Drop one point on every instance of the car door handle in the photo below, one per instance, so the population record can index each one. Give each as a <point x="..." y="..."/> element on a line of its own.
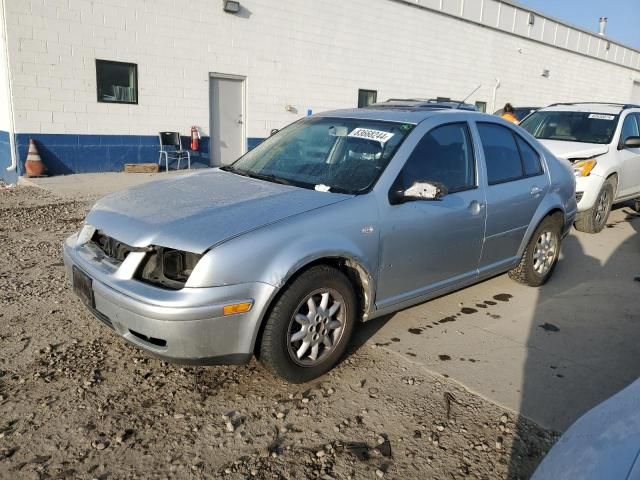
<point x="476" y="207"/>
<point x="535" y="190"/>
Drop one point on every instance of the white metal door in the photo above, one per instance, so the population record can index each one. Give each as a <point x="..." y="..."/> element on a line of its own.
<point x="226" y="96"/>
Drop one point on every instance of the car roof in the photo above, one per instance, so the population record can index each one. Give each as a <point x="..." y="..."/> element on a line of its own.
<point x="400" y="114"/>
<point x="600" y="107"/>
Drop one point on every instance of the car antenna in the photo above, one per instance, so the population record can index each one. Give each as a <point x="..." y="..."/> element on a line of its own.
<point x="467" y="97"/>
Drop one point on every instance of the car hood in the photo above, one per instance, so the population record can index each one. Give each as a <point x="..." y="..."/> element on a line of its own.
<point x="195" y="212"/>
<point x="571" y="150"/>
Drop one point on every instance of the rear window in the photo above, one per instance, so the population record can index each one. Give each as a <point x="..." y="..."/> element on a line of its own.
<point x="584" y="127"/>
<point x="500" y="152"/>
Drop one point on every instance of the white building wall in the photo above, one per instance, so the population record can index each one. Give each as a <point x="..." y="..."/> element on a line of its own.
<point x="4" y="77"/>
<point x="308" y="54"/>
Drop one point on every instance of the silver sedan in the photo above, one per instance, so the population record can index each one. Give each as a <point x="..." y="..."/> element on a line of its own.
<point x="338" y="218"/>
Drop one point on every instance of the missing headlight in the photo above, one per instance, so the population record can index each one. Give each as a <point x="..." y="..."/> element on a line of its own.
<point x="167" y="267"/>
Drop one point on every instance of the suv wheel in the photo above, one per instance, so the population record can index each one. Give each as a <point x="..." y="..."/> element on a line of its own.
<point x="594" y="219"/>
<point x="541" y="255"/>
<point x="310" y="325"/>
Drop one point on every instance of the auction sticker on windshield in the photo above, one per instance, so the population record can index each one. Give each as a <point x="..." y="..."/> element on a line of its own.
<point x="377" y="135"/>
<point x="600" y="116"/>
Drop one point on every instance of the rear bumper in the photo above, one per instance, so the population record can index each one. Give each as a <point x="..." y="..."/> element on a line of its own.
<point x="181" y="326"/>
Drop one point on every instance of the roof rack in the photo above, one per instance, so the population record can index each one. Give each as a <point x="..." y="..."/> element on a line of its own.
<point x="415" y="103"/>
<point x="615" y="104"/>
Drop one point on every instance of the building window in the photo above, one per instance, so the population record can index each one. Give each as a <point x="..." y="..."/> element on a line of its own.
<point x="367" y="97"/>
<point x="117" y="82"/>
<point x="481" y="106"/>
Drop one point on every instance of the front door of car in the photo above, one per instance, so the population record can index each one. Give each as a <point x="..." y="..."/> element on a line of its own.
<point x="629" y="182"/>
<point x="516" y="184"/>
<point x="428" y="245"/>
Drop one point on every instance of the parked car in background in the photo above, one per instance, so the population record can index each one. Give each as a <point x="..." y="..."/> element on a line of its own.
<point x="339" y="217"/>
<point x="602" y="444"/>
<point x="520" y="112"/>
<point x="602" y="141"/>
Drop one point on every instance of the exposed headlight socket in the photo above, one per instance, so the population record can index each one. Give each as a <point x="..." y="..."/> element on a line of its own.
<point x="168" y="268"/>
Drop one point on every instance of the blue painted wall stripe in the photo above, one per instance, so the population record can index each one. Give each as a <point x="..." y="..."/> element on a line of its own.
<point x="64" y="154"/>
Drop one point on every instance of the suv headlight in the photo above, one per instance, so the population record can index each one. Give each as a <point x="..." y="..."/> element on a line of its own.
<point x="168" y="268"/>
<point x="582" y="168"/>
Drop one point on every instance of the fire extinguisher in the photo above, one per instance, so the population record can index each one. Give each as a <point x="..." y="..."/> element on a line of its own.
<point x="195" y="138"/>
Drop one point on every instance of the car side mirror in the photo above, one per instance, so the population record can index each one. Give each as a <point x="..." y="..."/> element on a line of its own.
<point x="273" y="131"/>
<point x="631" y="142"/>
<point x="418" y="191"/>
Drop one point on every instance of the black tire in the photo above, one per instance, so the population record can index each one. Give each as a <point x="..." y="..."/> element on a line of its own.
<point x="635" y="205"/>
<point x="277" y="347"/>
<point x="595" y="219"/>
<point x="527" y="270"/>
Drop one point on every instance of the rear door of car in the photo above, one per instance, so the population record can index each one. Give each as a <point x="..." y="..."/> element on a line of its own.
<point x="428" y="245"/>
<point x="516" y="184"/>
<point x="629" y="181"/>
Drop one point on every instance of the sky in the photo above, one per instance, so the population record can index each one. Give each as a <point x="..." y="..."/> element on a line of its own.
<point x="624" y="16"/>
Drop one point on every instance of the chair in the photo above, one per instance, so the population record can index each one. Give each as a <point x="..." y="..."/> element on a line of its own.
<point x="175" y="151"/>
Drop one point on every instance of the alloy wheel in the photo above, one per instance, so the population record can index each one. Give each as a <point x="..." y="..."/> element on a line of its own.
<point x="545" y="252"/>
<point x="602" y="208"/>
<point x="316" y="327"/>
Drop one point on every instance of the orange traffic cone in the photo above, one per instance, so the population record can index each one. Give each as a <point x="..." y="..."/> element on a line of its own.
<point x="34" y="165"/>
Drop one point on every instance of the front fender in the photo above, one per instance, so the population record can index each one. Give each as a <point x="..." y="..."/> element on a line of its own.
<point x="273" y="254"/>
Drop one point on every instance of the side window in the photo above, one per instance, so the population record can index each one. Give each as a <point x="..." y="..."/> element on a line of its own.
<point x="530" y="158"/>
<point x="500" y="152"/>
<point x="629" y="128"/>
<point x="444" y="155"/>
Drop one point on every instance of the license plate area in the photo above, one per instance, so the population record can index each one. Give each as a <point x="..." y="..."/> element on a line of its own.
<point x="82" y="287"/>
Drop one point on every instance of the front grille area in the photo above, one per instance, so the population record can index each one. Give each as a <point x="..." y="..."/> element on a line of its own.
<point x="111" y="247"/>
<point x="579" y="196"/>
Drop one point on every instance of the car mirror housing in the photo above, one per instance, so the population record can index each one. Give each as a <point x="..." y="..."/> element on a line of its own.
<point x="421" y="190"/>
<point x="631" y="142"/>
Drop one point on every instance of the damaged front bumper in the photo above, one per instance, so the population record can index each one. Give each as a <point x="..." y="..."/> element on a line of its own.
<point x="184" y="326"/>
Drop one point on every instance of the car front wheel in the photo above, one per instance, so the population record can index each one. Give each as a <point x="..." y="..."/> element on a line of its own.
<point x="541" y="255"/>
<point x="310" y="325"/>
<point x="594" y="219"/>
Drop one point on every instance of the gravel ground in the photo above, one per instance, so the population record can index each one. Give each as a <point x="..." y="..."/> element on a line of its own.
<point x="78" y="402"/>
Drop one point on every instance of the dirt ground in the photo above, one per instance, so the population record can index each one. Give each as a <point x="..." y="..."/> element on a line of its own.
<point x="77" y="402"/>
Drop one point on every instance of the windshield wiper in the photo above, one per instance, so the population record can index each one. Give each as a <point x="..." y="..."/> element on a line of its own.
<point x="232" y="169"/>
<point x="269" y="178"/>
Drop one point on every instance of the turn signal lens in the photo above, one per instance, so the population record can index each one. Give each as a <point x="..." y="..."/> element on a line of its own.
<point x="237" y="308"/>
<point x="583" y="167"/>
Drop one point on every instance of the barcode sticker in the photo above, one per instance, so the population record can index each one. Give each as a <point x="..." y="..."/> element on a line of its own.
<point x="369" y="134"/>
<point x="600" y="116"/>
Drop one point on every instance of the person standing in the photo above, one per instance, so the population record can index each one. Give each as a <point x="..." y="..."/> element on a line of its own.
<point x="509" y="114"/>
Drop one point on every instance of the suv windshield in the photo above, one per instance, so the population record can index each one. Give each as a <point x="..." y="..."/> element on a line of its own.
<point x="328" y="154"/>
<point x="585" y="127"/>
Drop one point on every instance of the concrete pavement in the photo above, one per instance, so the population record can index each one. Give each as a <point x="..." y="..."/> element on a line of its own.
<point x="94" y="185"/>
<point x="550" y="353"/>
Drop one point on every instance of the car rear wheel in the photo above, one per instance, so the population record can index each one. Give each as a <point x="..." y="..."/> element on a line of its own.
<point x="594" y="219"/>
<point x="310" y="325"/>
<point x="541" y="255"/>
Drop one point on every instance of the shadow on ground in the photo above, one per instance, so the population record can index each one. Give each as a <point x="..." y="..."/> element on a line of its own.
<point x="560" y="390"/>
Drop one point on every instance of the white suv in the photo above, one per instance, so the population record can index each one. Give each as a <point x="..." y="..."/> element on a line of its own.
<point x="602" y="141"/>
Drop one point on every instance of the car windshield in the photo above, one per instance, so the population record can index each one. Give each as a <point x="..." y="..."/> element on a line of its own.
<point x="327" y="154"/>
<point x="585" y="127"/>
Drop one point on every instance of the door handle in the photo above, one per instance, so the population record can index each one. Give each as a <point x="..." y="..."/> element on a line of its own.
<point x="535" y="190"/>
<point x="476" y="207"/>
